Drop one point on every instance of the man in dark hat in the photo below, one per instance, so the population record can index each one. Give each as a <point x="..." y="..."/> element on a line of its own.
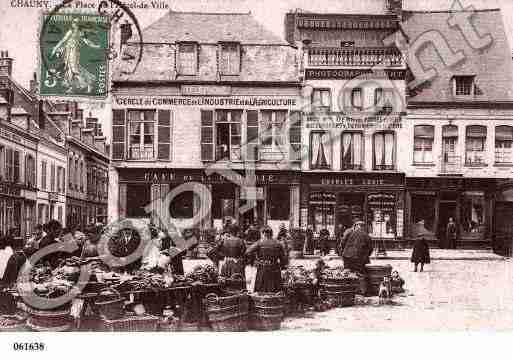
<point x="357" y="249"/>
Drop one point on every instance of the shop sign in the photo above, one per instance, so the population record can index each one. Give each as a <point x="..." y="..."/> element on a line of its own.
<point x="322" y="197"/>
<point x="348" y="74"/>
<point x="252" y="193"/>
<point x="9" y="189"/>
<point x="356" y="179"/>
<point x="335" y="24"/>
<point x="198" y="90"/>
<point x="182" y="176"/>
<point x="342" y="121"/>
<point x="203" y="100"/>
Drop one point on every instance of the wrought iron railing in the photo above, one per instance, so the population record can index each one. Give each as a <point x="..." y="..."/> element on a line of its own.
<point x="355" y="56"/>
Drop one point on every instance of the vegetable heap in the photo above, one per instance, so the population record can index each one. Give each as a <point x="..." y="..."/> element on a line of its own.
<point x="338" y="273"/>
<point x="297" y="276"/>
<point x="206" y="274"/>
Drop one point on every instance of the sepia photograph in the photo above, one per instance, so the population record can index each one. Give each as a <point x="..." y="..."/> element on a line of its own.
<point x="223" y="166"/>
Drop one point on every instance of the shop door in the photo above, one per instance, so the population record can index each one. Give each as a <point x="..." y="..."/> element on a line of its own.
<point x="349" y="209"/>
<point x="447" y="210"/>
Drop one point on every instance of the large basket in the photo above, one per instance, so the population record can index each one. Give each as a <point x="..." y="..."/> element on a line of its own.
<point x="267" y="311"/>
<point x="341" y="292"/>
<point x="12" y="323"/>
<point x="49" y="320"/>
<point x="375" y="274"/>
<point x="132" y="324"/>
<point x="111" y="308"/>
<point x="227" y="313"/>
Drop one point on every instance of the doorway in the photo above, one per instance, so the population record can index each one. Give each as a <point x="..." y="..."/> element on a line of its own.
<point x="446" y="210"/>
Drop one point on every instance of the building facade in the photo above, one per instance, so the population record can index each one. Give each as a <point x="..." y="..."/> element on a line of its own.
<point x="354" y="84"/>
<point x="211" y="101"/>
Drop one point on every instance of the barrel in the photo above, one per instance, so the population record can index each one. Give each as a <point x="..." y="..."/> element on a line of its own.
<point x="227" y="313"/>
<point x="340" y="292"/>
<point x="267" y="311"/>
<point x="375" y="275"/>
<point x="49" y="320"/>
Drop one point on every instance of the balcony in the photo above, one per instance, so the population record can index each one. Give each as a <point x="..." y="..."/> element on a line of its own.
<point x="451" y="165"/>
<point x="357" y="56"/>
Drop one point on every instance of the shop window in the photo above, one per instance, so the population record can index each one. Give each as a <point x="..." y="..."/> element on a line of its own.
<point x="381" y="215"/>
<point x="228" y="135"/>
<point x="321" y="99"/>
<point x="475" y="145"/>
<point x="230" y="58"/>
<point x="295" y="136"/>
<point x="384" y="151"/>
<point x="357" y="98"/>
<point x="137" y="198"/>
<point x="504" y="144"/>
<point x="278" y="200"/>
<point x="322" y="206"/>
<point x="350" y="208"/>
<point x="43" y="175"/>
<point x="463" y="85"/>
<point x="141" y="134"/>
<point x="187" y="58"/>
<point x="352" y="151"/>
<point x="273" y="130"/>
<point x="424" y="137"/>
<point x="30" y="171"/>
<point x="223" y="201"/>
<point x="320" y="150"/>
<point x="423" y="215"/>
<point x="473" y="214"/>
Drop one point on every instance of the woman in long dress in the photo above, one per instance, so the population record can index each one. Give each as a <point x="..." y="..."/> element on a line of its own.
<point x="270" y="258"/>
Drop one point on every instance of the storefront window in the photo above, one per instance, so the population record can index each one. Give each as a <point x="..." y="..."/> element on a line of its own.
<point x="423" y="214"/>
<point x="278" y="201"/>
<point x="142" y="134"/>
<point x="475" y="145"/>
<point x="137" y="198"/>
<point x="320" y="150"/>
<point x="504" y="144"/>
<point x="423" y="144"/>
<point x="473" y="214"/>
<point x="381" y="216"/>
<point x="384" y="148"/>
<point x="322" y="207"/>
<point x="352" y="151"/>
<point x="223" y="200"/>
<point x="350" y="208"/>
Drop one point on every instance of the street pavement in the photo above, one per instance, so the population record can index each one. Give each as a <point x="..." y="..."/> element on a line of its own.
<point x="464" y="290"/>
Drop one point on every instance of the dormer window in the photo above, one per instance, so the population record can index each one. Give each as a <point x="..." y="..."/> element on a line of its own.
<point x="187" y="61"/>
<point x="463" y="85"/>
<point x="230" y="58"/>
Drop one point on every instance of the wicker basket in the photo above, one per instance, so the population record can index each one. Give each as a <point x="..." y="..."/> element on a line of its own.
<point x="111" y="308"/>
<point x="229" y="313"/>
<point x="267" y="311"/>
<point x="375" y="274"/>
<point x="132" y="324"/>
<point x="12" y="323"/>
<point x="49" y="320"/>
<point x="341" y="293"/>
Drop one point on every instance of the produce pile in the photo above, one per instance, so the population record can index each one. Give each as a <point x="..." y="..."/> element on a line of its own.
<point x="206" y="274"/>
<point x="142" y="281"/>
<point x="338" y="274"/>
<point x="295" y="276"/>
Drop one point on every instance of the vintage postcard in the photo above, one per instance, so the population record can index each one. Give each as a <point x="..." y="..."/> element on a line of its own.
<point x="255" y="166"/>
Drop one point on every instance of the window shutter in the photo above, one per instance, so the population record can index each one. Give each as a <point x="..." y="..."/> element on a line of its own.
<point x="295" y="136"/>
<point x="164" y="135"/>
<point x="16" y="166"/>
<point x="118" y="134"/>
<point x="207" y="135"/>
<point x="252" y="137"/>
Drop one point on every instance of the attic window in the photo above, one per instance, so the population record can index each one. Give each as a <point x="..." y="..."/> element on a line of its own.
<point x="230" y="58"/>
<point x="187" y="60"/>
<point x="464" y="85"/>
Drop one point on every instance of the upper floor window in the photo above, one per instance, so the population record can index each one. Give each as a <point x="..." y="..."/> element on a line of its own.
<point x="13" y="165"/>
<point x="228" y="135"/>
<point x="384" y="151"/>
<point x="52" y="177"/>
<point x="230" y="58"/>
<point x="475" y="145"/>
<point x="30" y="171"/>
<point x="504" y="144"/>
<point x="463" y="85"/>
<point x="141" y="139"/>
<point x="321" y="99"/>
<point x="273" y="128"/>
<point x="187" y="58"/>
<point x="352" y="151"/>
<point x="383" y="100"/>
<point x="357" y="98"/>
<point x="424" y="137"/>
<point x="43" y="175"/>
<point x="320" y="150"/>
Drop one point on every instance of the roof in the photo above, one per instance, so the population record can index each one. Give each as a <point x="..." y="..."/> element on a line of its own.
<point x="491" y="65"/>
<point x="209" y="28"/>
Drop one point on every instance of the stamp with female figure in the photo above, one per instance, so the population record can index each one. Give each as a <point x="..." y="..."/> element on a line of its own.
<point x="74" y="55"/>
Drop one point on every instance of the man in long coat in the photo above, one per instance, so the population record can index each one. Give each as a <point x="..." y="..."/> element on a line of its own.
<point x="358" y="249"/>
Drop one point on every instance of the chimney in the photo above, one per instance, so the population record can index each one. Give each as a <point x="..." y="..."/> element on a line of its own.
<point x="99" y="143"/>
<point x="62" y="120"/>
<point x="5" y="64"/>
<point x="33" y="85"/>
<point x="87" y="136"/>
<point x="76" y="128"/>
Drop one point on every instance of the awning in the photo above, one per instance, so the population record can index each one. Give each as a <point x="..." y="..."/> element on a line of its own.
<point x="504" y="133"/>
<point x="476" y="131"/>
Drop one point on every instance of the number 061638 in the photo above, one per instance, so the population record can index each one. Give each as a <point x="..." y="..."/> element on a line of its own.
<point x="29" y="346"/>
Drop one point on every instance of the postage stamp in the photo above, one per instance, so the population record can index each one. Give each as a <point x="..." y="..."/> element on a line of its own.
<point x="74" y="55"/>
